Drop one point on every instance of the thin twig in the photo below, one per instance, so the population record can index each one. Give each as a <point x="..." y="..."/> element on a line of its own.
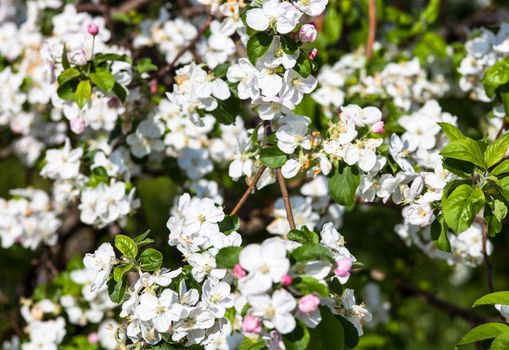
<point x="286" y="199"/>
<point x="372" y="28"/>
<point x="487" y="262"/>
<point x="189" y="46"/>
<point x="445" y="306"/>
<point x="501" y="130"/>
<point x="249" y="190"/>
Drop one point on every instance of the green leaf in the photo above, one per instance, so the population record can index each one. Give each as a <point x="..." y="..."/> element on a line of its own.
<point x="103" y="57"/>
<point x="496" y="151"/>
<point x="142" y="239"/>
<point x="119" y="271"/>
<point x="221" y="69"/>
<point x="495" y="76"/>
<point x="250" y="344"/>
<point x="119" y="91"/>
<point x="226" y="111"/>
<point x="150" y="260"/>
<point x="484" y="331"/>
<point x="351" y="334"/>
<point x="67" y="75"/>
<point x="303" y="66"/>
<point x="431" y="44"/>
<point x="439" y="231"/>
<point x="66" y="90"/>
<point x="464" y="149"/>
<point x="298" y="339"/>
<point x="329" y="334"/>
<point x="126" y="246"/>
<point x="65" y="59"/>
<point x="452" y="132"/>
<point x="117" y="290"/>
<point x="82" y="93"/>
<point x="257" y="45"/>
<point x="343" y="185"/>
<point x="103" y="79"/>
<point x="333" y="25"/>
<point x="502" y="168"/>
<point x="503" y="185"/>
<point x="501" y="342"/>
<point x="461" y="206"/>
<point x="493" y="298"/>
<point x="229" y="224"/>
<point x="311" y="251"/>
<point x="145" y="65"/>
<point x="228" y="257"/>
<point x="273" y="157"/>
<point x="309" y="285"/>
<point x="304" y="235"/>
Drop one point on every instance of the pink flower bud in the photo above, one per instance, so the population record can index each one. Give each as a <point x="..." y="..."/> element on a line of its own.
<point x="286" y="280"/>
<point x="313" y="54"/>
<point x="93" y="29"/>
<point x="93" y="338"/>
<point x="153" y="86"/>
<point x="251" y="324"/>
<point x="343" y="267"/>
<point x="238" y="271"/>
<point x="378" y="127"/>
<point x="307" y="33"/>
<point x="77" y="125"/>
<point x="309" y="303"/>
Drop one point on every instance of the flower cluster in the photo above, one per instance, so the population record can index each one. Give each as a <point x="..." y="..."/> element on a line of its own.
<point x="483" y="51"/>
<point x="227" y="294"/>
<point x="49" y="312"/>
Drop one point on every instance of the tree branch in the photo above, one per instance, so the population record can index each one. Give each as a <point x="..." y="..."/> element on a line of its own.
<point x="372" y="28"/>
<point x="189" y="46"/>
<point x="286" y="199"/>
<point x="249" y="190"/>
<point x="431" y="298"/>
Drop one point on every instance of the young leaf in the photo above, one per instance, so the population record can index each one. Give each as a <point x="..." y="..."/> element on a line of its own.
<point x="461" y="206"/>
<point x="304" y="235"/>
<point x="103" y="79"/>
<point x="496" y="151"/>
<point x="484" y="331"/>
<point x="495" y="76"/>
<point x="501" y="342"/>
<point x="228" y="257"/>
<point x="82" y="93"/>
<point x="311" y="251"/>
<point x="273" y="157"/>
<point x="126" y="246"/>
<point x="439" y="231"/>
<point x="67" y="75"/>
<point x="119" y="271"/>
<point x="117" y="289"/>
<point x="145" y="65"/>
<point x="119" y="91"/>
<point x="251" y="344"/>
<point x="150" y="260"/>
<point x="309" y="285"/>
<point x="464" y="149"/>
<point x="452" y="132"/>
<point x="502" y="168"/>
<point x="343" y="185"/>
<point x="493" y="298"/>
<point x="257" y="45"/>
<point x="229" y="224"/>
